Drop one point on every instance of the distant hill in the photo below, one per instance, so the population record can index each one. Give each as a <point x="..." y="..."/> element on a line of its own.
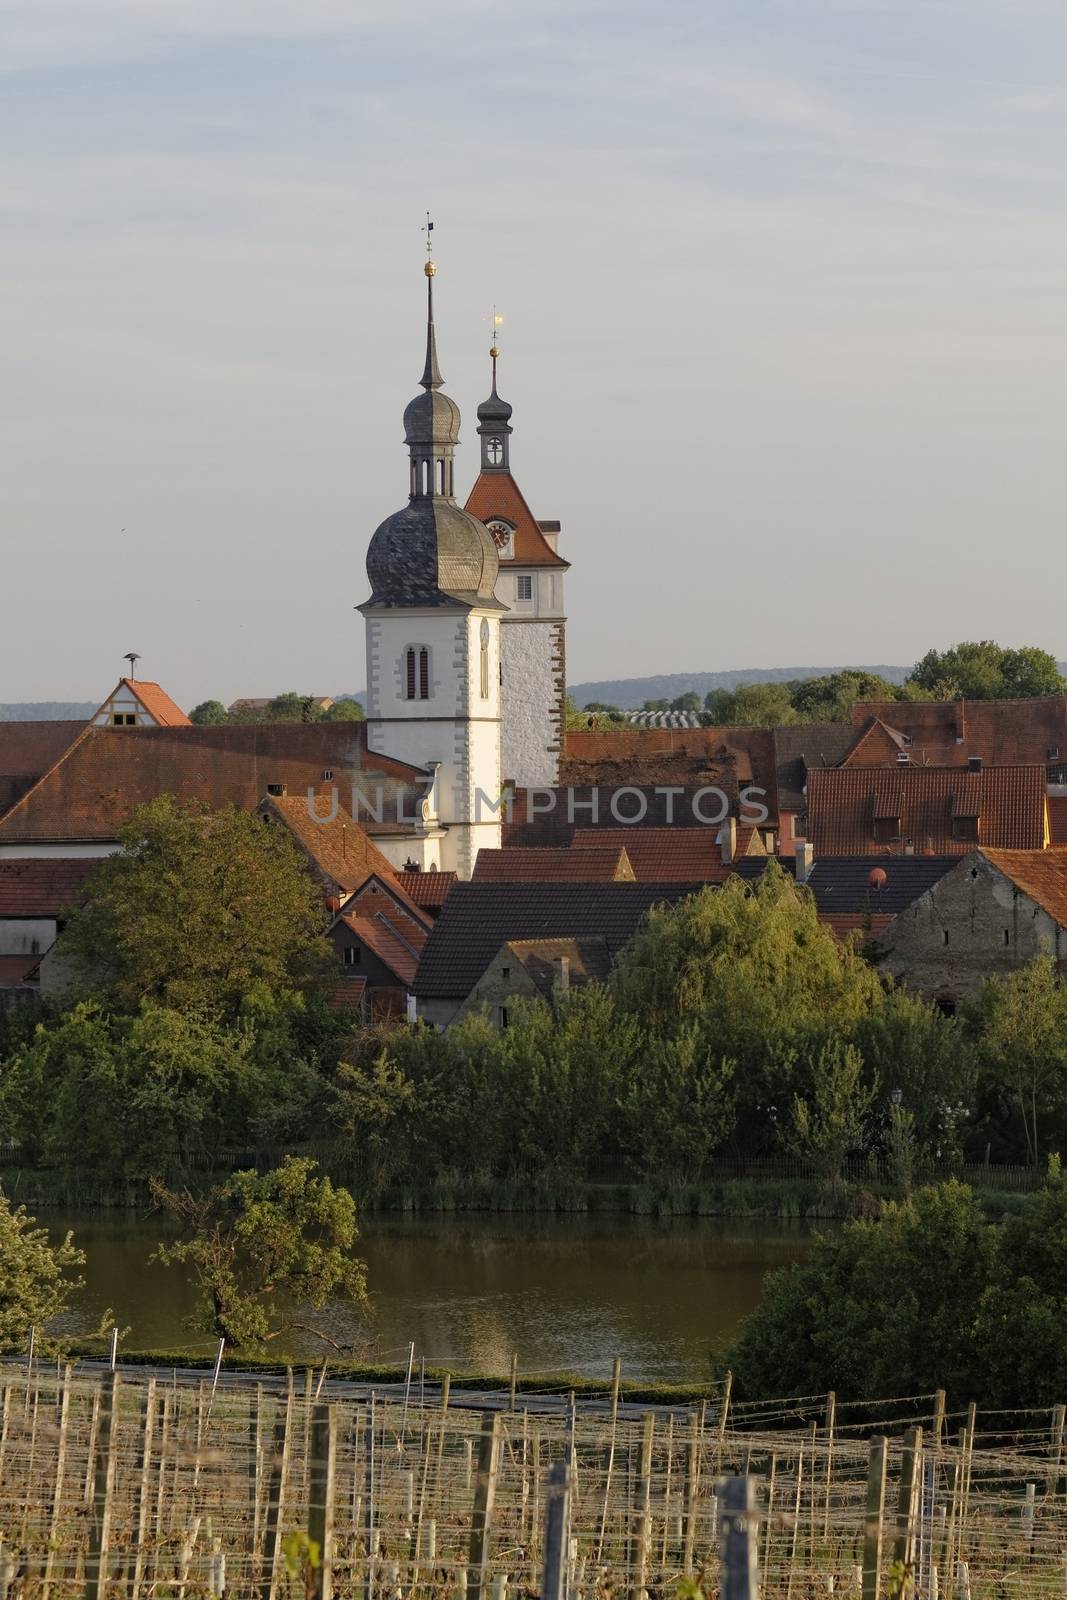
<point x="49" y="711"/>
<point x="631" y="693"/>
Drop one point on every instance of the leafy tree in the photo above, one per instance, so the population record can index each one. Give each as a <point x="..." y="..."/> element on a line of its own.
<point x="827" y="1123"/>
<point x="1023" y="1312"/>
<point x="881" y="1308"/>
<point x="209" y="714"/>
<point x="656" y="705"/>
<point x="765" y="705"/>
<point x="372" y="1110"/>
<point x="262" y="1243"/>
<point x="1021" y="1026"/>
<point x="908" y="1045"/>
<point x="345" y="711"/>
<point x="985" y="670"/>
<point x="831" y="699"/>
<point x="677" y="1105"/>
<point x="196" y="909"/>
<point x="34" y="1288"/>
<point x="687" y="702"/>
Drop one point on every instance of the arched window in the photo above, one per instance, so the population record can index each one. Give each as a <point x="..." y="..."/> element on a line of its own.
<point x="485" y="659"/>
<point x="416" y="672"/>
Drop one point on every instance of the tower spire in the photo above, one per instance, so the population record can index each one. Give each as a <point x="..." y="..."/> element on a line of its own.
<point x="431" y="373"/>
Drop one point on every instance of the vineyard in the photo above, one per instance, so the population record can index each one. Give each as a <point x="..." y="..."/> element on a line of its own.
<point x="123" y="1483"/>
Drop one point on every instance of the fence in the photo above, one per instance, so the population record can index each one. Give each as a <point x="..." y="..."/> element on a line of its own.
<point x="134" y="1484"/>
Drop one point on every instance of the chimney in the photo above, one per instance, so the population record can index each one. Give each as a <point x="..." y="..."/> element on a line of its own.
<point x="805" y="859"/>
<point x="728" y="840"/>
<point x="563" y="973"/>
<point x="974" y="763"/>
<point x="961" y="720"/>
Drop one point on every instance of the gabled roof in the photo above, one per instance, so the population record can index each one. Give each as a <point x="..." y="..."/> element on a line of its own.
<point x="876" y="744"/>
<point x="42" y="886"/>
<point x="393" y="948"/>
<point x="95" y="787"/>
<point x="159" y="705"/>
<point x="28" y="750"/>
<point x="588" y="960"/>
<point x="480" y="917"/>
<point x="338" y="848"/>
<point x="1040" y="874"/>
<point x="599" y="863"/>
<point x="844" y="802"/>
<point x="1002" y="732"/>
<point x="496" y="494"/>
<point x="429" y="890"/>
<point x="385" y="895"/>
<point x="842" y="885"/>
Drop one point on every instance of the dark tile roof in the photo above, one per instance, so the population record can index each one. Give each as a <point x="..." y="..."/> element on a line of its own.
<point x="480" y="917"/>
<point x="42" y="886"/>
<point x="842" y="884"/>
<point x="804" y="748"/>
<point x="844" y="802"/>
<point x="588" y="960"/>
<point x="96" y="786"/>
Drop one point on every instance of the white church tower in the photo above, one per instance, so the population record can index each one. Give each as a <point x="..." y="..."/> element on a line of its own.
<point x="433" y="631"/>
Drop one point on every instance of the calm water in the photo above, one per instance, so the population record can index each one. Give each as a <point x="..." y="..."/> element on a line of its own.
<point x="565" y="1293"/>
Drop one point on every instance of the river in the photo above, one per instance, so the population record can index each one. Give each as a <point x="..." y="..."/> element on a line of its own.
<point x="563" y="1293"/>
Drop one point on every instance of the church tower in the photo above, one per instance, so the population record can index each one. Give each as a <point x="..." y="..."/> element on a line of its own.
<point x="530" y="586"/>
<point x="433" y="630"/>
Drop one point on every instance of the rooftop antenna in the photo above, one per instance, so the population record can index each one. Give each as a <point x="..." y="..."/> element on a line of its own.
<point x="132" y="657"/>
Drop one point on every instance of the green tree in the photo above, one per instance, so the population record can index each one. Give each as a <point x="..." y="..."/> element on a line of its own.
<point x="881" y="1308"/>
<point x="35" y="1287"/>
<point x="910" y="1046"/>
<point x="1020" y="1024"/>
<point x="689" y="702"/>
<point x="827" y="1122"/>
<point x="262" y="1243"/>
<point x="196" y="909"/>
<point x="676" y="1106"/>
<point x="766" y="705"/>
<point x="209" y="714"/>
<point x="345" y="711"/>
<point x="984" y="670"/>
<point x="831" y="699"/>
<point x="372" y="1110"/>
<point x="1023" y="1312"/>
<point x="293" y="707"/>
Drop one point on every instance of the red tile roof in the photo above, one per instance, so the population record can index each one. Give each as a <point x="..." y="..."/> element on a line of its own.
<point x="599" y="862"/>
<point x="385" y="895"/>
<point x="395" y="950"/>
<point x="845" y="923"/>
<point x="1002" y="732"/>
<point x="1040" y="874"/>
<point x="843" y="803"/>
<point x="18" y="970"/>
<point x="429" y="890"/>
<point x="347" y="994"/>
<point x="158" y="703"/>
<point x="671" y="855"/>
<point x="96" y="786"/>
<point x="339" y="848"/>
<point x="1057" y="818"/>
<point x="41" y="886"/>
<point x="28" y="750"/>
<point x="688" y="756"/>
<point x="496" y="494"/>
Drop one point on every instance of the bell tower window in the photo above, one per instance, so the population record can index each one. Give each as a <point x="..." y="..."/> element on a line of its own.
<point x="494" y="451"/>
<point x="416" y="673"/>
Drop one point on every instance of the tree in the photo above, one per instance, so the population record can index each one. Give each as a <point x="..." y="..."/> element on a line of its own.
<point x="677" y="1106"/>
<point x="345" y="711"/>
<point x="984" y="670"/>
<point x="827" y="1122"/>
<point x="1022" y="1313"/>
<point x="911" y="1047"/>
<point x="880" y="1308"/>
<point x="293" y="707"/>
<point x="196" y="909"/>
<point x="687" y="702"/>
<point x="766" y="705"/>
<point x="1020" y="1023"/>
<point x="34" y="1288"/>
<point x="264" y="1241"/>
<point x="209" y="714"/>
<point x="831" y="699"/>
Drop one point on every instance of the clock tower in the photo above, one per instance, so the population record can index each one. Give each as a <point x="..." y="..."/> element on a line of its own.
<point x="530" y="586"/>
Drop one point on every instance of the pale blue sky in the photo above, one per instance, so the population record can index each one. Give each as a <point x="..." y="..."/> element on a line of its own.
<point x="786" y="322"/>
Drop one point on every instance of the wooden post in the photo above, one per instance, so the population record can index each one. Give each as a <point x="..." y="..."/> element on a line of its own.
<point x="514" y="1381"/>
<point x="144" y="1487"/>
<point x="1059" y="1414"/>
<point x="740" y="1529"/>
<point x="368" y="1509"/>
<point x="556" y="1524"/>
<point x="407" y="1397"/>
<point x="609" y="1462"/>
<point x="692" y="1490"/>
<point x="279" y="1469"/>
<point x="772" y="1473"/>
<point x="724" y="1415"/>
<point x="321" y="1499"/>
<point x="62" y="1424"/>
<point x="872" y="1537"/>
<point x="484" y="1501"/>
<point x="939" y="1417"/>
<point x="642" y="1529"/>
<point x="904" y="1543"/>
<point x="796" y="1522"/>
<point x="96" y="1561"/>
<point x="830" y="1416"/>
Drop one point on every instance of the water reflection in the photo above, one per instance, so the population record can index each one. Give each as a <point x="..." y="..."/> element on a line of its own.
<point x="565" y="1293"/>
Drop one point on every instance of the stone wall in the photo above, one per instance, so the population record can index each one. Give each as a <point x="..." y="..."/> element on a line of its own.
<point x="532" y="709"/>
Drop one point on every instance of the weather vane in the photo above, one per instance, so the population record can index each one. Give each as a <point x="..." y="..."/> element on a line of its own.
<point x="495" y="322"/>
<point x="428" y="231"/>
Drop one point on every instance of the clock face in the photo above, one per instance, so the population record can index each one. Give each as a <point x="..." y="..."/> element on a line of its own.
<point x="501" y="536"/>
<point x="494" y="451"/>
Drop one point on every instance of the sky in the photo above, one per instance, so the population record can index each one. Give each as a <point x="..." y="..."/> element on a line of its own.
<point x="785" y="326"/>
